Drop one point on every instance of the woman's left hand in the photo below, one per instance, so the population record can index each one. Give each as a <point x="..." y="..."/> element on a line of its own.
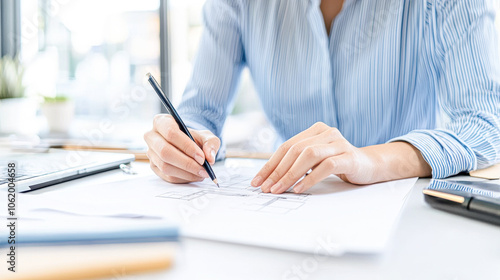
<point x="320" y="148"/>
<point x="325" y="151"/>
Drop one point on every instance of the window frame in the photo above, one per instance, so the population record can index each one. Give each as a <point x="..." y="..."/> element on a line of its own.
<point x="165" y="67"/>
<point x="10" y="27"/>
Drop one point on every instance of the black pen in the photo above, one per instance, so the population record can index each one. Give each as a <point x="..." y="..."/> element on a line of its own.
<point x="178" y="120"/>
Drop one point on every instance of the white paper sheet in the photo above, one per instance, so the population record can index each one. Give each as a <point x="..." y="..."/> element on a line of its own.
<point x="333" y="218"/>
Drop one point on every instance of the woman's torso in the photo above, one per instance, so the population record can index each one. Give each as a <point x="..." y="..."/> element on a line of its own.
<point x="370" y="78"/>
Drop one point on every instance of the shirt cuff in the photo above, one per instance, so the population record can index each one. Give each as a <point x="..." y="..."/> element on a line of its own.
<point x="442" y="150"/>
<point x="221" y="154"/>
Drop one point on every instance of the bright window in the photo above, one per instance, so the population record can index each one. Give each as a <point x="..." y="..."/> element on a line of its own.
<point x="97" y="52"/>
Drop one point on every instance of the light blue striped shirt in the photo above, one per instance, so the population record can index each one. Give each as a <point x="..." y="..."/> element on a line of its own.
<point x="387" y="72"/>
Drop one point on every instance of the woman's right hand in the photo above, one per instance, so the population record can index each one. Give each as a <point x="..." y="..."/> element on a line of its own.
<point x="173" y="156"/>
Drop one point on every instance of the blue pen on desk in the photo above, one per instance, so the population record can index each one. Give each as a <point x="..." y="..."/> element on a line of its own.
<point x="166" y="102"/>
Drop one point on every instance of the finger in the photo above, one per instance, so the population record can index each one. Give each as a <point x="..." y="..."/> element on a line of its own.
<point x="209" y="142"/>
<point x="171" y="155"/>
<point x="310" y="157"/>
<point x="158" y="173"/>
<point x="167" y="127"/>
<point x="314" y="129"/>
<point x="172" y="171"/>
<point x="333" y="165"/>
<point x="276" y="158"/>
<point x="327" y="136"/>
<point x="170" y="179"/>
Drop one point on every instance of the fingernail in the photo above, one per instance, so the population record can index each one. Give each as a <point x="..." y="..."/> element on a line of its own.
<point x="267" y="184"/>
<point x="256" y="181"/>
<point x="276" y="187"/>
<point x="212" y="153"/>
<point x="203" y="173"/>
<point x="199" y="159"/>
<point x="298" y="188"/>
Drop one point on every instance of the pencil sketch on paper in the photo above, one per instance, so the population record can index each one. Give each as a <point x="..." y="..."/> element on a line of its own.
<point x="237" y="186"/>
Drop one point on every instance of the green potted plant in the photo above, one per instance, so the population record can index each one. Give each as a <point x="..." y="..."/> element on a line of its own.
<point x="59" y="112"/>
<point x="17" y="112"/>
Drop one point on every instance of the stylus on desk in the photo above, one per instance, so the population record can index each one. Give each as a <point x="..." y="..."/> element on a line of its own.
<point x="168" y="105"/>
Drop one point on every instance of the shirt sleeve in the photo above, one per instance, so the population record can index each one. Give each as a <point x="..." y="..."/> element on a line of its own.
<point x="210" y="92"/>
<point x="468" y="87"/>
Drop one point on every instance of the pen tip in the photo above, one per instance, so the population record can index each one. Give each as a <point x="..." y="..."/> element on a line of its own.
<point x="217" y="183"/>
<point x="148" y="75"/>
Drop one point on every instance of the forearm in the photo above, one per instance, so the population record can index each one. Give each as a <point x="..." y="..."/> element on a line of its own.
<point x="396" y="160"/>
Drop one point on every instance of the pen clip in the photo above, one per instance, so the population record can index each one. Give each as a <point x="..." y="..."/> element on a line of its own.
<point x="127" y="168"/>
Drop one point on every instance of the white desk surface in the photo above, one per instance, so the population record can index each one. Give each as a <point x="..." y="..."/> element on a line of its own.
<point x="426" y="244"/>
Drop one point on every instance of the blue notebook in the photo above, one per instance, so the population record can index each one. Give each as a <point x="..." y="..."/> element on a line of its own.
<point x="54" y="228"/>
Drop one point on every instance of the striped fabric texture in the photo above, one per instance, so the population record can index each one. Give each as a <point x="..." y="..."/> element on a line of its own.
<point x="424" y="72"/>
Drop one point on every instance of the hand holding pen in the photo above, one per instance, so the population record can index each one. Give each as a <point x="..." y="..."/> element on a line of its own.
<point x="178" y="154"/>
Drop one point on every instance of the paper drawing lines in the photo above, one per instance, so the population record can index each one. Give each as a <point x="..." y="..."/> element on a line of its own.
<point x="244" y="198"/>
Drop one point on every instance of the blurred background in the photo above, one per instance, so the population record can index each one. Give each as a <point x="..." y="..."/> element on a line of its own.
<point x="83" y="66"/>
<point x="81" y="76"/>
